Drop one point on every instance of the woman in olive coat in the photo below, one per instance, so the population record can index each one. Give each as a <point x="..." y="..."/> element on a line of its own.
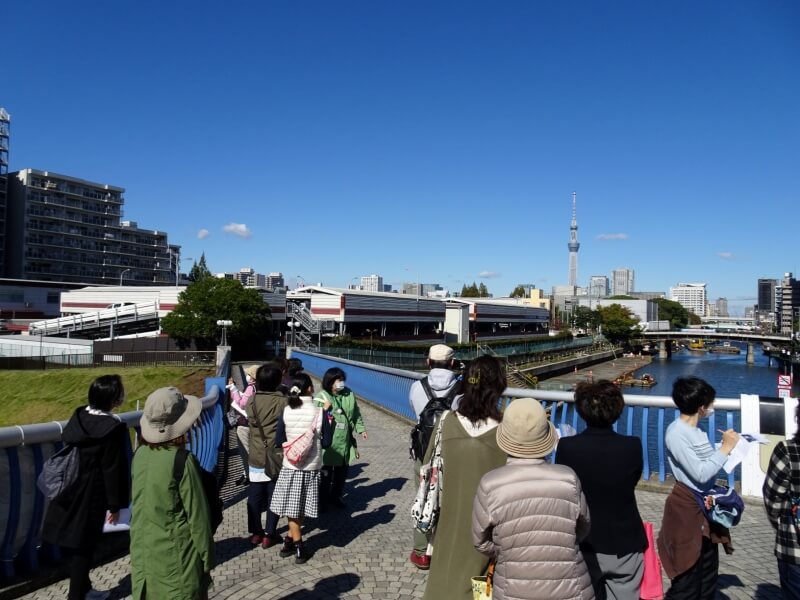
<point x="75" y="519"/>
<point x="347" y="422"/>
<point x="172" y="546"/>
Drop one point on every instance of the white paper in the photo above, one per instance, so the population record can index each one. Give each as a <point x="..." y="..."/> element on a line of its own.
<point x="123" y="524"/>
<point x="755" y="437"/>
<point x="738" y="453"/>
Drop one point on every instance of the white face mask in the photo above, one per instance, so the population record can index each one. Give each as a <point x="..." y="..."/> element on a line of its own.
<point x="338" y="386"/>
<point x="707" y="412"/>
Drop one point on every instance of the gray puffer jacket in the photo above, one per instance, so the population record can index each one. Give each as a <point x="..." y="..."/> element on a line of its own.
<point x="530" y="515"/>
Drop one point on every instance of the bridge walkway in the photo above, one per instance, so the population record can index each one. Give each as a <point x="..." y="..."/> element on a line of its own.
<point x="362" y="551"/>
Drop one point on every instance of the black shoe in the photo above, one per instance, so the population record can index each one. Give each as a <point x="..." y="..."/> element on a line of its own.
<point x="301" y="554"/>
<point x="242" y="480"/>
<point x="288" y="547"/>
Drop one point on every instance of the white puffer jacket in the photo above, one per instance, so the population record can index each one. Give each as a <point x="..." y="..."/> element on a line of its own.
<point x="299" y="420"/>
<point x="531" y="515"/>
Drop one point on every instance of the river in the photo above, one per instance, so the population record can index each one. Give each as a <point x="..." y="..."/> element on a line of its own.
<point x="728" y="373"/>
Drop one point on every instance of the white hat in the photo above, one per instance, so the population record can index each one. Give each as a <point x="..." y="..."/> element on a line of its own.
<point x="525" y="431"/>
<point x="440" y="353"/>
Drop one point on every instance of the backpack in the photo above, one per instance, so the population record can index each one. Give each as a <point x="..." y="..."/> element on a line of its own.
<point x="59" y="472"/>
<point x="423" y="430"/>
<point x="210" y="487"/>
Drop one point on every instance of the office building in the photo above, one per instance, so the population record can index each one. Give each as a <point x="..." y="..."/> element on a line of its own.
<point x="372" y="283"/>
<point x="692" y="296"/>
<point x="249" y="278"/>
<point x="721" y="307"/>
<point x="598" y="286"/>
<point x="766" y="294"/>
<point x="426" y="288"/>
<point x="622" y="282"/>
<point x="787" y="304"/>
<point x="5" y="136"/>
<point x="275" y="281"/>
<point x="61" y="228"/>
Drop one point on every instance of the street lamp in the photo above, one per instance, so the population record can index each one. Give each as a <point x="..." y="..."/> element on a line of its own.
<point x="224" y="324"/>
<point x="121" y="275"/>
<point x="299" y="278"/>
<point x="178" y="259"/>
<point x="354" y="279"/>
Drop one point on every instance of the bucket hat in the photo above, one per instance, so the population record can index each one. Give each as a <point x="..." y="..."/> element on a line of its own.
<point x="251" y="370"/>
<point x="168" y="414"/>
<point x="440" y="352"/>
<point x="525" y="431"/>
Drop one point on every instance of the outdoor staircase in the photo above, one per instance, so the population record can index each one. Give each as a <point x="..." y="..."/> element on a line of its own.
<point x="299" y="312"/>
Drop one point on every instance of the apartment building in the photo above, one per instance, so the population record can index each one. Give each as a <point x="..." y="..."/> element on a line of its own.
<point x="598" y="286"/>
<point x="61" y="228"/>
<point x="787" y="304"/>
<point x="372" y="283"/>
<point x="622" y="281"/>
<point x="5" y="135"/>
<point x="692" y="296"/>
<point x="275" y="281"/>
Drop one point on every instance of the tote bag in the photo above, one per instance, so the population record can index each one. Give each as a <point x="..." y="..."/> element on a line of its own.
<point x="652" y="585"/>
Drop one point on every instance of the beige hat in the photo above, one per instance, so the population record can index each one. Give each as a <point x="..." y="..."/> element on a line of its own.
<point x="440" y="353"/>
<point x="525" y="431"/>
<point x="168" y="414"/>
<point x="251" y="370"/>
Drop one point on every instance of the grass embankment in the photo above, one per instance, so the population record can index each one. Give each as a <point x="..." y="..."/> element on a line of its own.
<point x="52" y="395"/>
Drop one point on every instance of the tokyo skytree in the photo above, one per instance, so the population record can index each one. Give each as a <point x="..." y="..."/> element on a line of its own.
<point x="573" y="245"/>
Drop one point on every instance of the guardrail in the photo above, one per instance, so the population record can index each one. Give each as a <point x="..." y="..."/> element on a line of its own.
<point x="645" y="417"/>
<point x="23" y="450"/>
<point x="95" y="319"/>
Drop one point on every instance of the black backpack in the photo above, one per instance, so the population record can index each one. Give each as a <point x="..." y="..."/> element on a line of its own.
<point x="421" y="434"/>
<point x="210" y="487"/>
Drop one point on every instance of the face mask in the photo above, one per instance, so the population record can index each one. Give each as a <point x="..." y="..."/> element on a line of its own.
<point x="708" y="412"/>
<point x="338" y="386"/>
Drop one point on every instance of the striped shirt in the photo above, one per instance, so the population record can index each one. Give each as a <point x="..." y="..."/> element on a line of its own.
<point x="781" y="485"/>
<point x="693" y="460"/>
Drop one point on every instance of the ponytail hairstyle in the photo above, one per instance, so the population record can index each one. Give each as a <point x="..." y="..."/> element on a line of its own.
<point x="301" y="383"/>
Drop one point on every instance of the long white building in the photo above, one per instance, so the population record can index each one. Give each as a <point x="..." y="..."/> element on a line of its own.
<point x="692" y="296"/>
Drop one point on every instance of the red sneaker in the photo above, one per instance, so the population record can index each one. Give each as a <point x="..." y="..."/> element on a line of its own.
<point x="420" y="561"/>
<point x="268" y="541"/>
<point x="255" y="539"/>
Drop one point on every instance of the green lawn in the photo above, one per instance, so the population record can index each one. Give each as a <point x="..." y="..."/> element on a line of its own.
<point x="53" y="394"/>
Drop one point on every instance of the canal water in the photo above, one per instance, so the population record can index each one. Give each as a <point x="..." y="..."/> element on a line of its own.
<point x="729" y="374"/>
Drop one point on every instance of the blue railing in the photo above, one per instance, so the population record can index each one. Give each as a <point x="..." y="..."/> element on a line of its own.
<point x="645" y="417"/>
<point x="26" y="447"/>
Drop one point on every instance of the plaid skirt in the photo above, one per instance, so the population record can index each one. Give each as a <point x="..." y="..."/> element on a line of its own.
<point x="296" y="494"/>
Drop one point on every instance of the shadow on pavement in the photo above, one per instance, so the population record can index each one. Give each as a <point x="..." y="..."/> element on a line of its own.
<point x="339" y="532"/>
<point x="329" y="587"/>
<point x="767" y="591"/>
<point x="123" y="589"/>
<point x="231" y="548"/>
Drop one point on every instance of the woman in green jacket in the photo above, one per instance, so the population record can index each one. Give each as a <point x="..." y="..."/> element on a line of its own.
<point x="172" y="546"/>
<point x="346" y="419"/>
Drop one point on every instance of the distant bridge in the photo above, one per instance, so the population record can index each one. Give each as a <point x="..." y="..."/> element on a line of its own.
<point x="742" y="336"/>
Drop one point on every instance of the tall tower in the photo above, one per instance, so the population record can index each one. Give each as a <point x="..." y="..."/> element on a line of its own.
<point x="573" y="245"/>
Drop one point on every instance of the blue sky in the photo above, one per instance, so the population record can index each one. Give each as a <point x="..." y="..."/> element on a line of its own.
<point x="439" y="140"/>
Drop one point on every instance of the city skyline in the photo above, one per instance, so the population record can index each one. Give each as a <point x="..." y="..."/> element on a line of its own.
<point x="675" y="125"/>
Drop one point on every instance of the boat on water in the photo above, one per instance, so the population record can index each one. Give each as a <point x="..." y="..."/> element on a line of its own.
<point x="697" y="346"/>
<point x="646" y="380"/>
<point x="725" y="348"/>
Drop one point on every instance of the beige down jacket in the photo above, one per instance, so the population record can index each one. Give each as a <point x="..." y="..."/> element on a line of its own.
<point x="530" y="515"/>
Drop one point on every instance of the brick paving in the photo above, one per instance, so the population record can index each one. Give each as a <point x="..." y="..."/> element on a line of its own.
<point x="361" y="552"/>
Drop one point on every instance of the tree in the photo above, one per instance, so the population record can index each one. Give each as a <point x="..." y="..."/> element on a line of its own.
<point x="674" y="312"/>
<point x="519" y="292"/>
<point x="619" y="323"/>
<point x="483" y="291"/>
<point x="208" y="300"/>
<point x="694" y="319"/>
<point x="585" y="318"/>
<point x="199" y="269"/>
<point x="470" y="291"/>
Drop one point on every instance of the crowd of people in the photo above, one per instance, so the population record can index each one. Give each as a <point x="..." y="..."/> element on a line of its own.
<point x="550" y="516"/>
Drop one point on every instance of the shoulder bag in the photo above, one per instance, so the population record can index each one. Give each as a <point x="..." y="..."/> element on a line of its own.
<point x="425" y="510"/>
<point x="296" y="451"/>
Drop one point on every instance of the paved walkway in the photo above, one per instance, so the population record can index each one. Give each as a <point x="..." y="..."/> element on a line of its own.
<point x="362" y="552"/>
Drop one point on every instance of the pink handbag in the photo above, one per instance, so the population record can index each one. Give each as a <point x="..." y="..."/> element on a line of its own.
<point x="652" y="585"/>
<point x="297" y="450"/>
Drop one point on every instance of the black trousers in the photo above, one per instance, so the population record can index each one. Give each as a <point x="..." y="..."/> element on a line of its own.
<point x="79" y="567"/>
<point x="259" y="494"/>
<point x="332" y="484"/>
<point x="699" y="582"/>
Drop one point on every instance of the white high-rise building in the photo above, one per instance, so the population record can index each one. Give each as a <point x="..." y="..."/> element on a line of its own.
<point x="622" y="281"/>
<point x="598" y="286"/>
<point x="275" y="281"/>
<point x="372" y="283"/>
<point x="692" y="296"/>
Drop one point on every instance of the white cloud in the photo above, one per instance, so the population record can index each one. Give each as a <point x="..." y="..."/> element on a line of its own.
<point x="488" y="274"/>
<point x="239" y="229"/>
<point x="725" y="255"/>
<point x="203" y="234"/>
<point x="612" y="236"/>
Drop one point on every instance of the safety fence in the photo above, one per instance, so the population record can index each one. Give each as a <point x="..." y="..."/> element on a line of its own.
<point x="23" y="450"/>
<point x="645" y="417"/>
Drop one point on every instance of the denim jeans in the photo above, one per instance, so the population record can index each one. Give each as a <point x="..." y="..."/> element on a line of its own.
<point x="790" y="579"/>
